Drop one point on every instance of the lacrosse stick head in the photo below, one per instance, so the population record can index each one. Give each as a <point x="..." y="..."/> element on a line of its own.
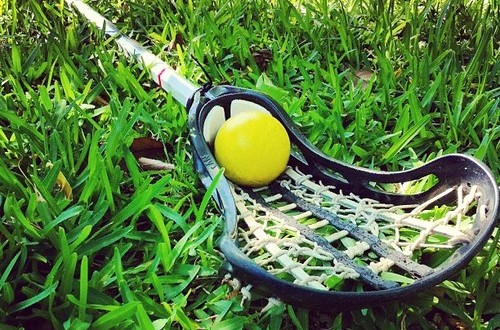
<point x="330" y="235"/>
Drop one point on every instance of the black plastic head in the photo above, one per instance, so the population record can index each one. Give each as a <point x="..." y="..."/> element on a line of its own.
<point x="209" y="109"/>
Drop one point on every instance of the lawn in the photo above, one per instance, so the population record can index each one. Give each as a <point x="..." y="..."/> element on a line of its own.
<point x="91" y="238"/>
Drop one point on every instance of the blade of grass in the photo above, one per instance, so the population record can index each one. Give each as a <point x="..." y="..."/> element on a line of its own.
<point x="33" y="300"/>
<point x="405" y="139"/>
<point x="84" y="276"/>
<point x="116" y="316"/>
<point x="8" y="269"/>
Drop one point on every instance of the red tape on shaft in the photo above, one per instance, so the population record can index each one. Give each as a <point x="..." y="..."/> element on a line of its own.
<point x="159" y="77"/>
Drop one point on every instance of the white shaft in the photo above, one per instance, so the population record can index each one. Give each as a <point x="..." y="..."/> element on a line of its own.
<point x="161" y="73"/>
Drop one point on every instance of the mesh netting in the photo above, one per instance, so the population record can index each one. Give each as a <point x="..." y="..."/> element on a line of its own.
<point x="310" y="234"/>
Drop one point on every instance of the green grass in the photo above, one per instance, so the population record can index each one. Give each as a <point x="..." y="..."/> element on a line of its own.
<point x="88" y="239"/>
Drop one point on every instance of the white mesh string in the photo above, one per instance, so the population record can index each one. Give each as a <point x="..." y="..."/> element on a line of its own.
<point x="395" y="217"/>
<point x="279" y="246"/>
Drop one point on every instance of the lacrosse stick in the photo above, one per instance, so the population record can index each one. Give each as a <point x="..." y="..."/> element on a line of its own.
<point x="326" y="234"/>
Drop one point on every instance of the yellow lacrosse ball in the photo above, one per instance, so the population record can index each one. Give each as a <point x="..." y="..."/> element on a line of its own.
<point x="253" y="147"/>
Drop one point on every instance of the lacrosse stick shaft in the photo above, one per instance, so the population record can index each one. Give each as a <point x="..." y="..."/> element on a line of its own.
<point x="161" y="73"/>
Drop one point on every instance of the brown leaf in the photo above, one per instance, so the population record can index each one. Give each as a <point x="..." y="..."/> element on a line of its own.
<point x="262" y="57"/>
<point x="179" y="40"/>
<point x="364" y="76"/>
<point x="145" y="143"/>
<point x="100" y="101"/>
<point x="61" y="182"/>
<point x="148" y="147"/>
<point x="232" y="294"/>
<point x="64" y="185"/>
<point x="398" y="72"/>
<point x="150" y="154"/>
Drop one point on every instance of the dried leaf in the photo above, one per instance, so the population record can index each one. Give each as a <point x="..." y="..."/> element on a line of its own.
<point x="155" y="164"/>
<point x="364" y="76"/>
<point x="64" y="185"/>
<point x="145" y="143"/>
<point x="39" y="197"/>
<point x="150" y="154"/>
<point x="100" y="101"/>
<point x="398" y="72"/>
<point x="179" y="40"/>
<point x="262" y="57"/>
